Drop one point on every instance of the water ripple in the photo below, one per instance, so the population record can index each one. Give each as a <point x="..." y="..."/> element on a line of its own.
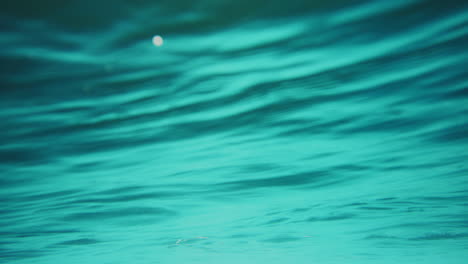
<point x="260" y="132"/>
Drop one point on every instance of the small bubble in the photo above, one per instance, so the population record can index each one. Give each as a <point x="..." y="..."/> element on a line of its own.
<point x="158" y="41"/>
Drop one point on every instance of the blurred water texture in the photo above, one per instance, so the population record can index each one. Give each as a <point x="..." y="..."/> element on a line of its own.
<point x="260" y="132"/>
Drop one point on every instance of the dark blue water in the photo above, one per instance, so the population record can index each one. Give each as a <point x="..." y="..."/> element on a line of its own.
<point x="260" y="132"/>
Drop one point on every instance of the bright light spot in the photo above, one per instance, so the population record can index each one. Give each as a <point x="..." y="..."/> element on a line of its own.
<point x="158" y="40"/>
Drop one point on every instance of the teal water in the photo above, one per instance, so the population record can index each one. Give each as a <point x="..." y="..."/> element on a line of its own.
<point x="260" y="132"/>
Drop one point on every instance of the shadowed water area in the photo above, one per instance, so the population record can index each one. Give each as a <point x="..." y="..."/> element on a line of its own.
<point x="260" y="132"/>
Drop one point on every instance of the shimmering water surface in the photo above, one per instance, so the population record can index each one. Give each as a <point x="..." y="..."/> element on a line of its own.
<point x="260" y="132"/>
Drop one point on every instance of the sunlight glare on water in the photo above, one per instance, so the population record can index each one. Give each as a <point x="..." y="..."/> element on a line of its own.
<point x="158" y="41"/>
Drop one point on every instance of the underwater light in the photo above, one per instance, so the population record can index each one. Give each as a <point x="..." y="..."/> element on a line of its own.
<point x="158" y="41"/>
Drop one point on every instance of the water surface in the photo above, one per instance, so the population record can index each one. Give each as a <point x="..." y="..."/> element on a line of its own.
<point x="260" y="132"/>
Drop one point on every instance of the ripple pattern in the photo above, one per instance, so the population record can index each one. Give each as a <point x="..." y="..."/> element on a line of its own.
<point x="260" y="132"/>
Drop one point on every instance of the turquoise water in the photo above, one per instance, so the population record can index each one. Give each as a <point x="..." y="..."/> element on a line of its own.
<point x="260" y="132"/>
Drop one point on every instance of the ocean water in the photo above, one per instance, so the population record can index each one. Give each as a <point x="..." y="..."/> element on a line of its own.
<point x="260" y="132"/>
